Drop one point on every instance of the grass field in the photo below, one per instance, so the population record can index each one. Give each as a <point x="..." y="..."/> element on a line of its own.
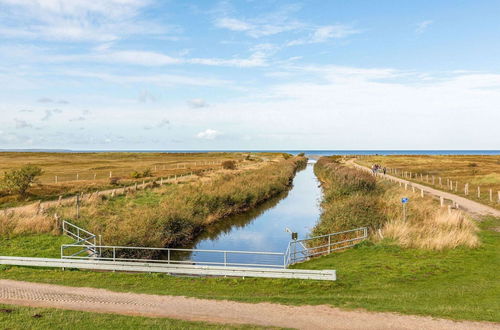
<point x="76" y="171"/>
<point x="477" y="171"/>
<point x="456" y="283"/>
<point x="16" y="317"/>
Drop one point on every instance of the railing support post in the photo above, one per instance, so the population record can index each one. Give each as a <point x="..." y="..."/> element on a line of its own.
<point x="225" y="258"/>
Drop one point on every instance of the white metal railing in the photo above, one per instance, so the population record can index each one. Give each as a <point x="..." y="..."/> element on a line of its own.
<point x="175" y="256"/>
<point x="86" y="247"/>
<point x="304" y="249"/>
<point x="84" y="239"/>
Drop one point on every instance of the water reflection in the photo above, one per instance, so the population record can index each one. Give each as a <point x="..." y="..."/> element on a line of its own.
<point x="263" y="228"/>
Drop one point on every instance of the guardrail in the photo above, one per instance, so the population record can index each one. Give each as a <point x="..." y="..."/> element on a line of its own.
<point x="304" y="249"/>
<point x="93" y="264"/>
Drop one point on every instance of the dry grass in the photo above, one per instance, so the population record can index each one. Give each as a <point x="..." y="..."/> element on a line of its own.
<point x="12" y="224"/>
<point x="67" y="165"/>
<point x="172" y="215"/>
<point x="445" y="230"/>
<point x="476" y="170"/>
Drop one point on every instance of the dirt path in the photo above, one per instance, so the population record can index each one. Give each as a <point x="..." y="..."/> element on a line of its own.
<point x="265" y="314"/>
<point x="464" y="203"/>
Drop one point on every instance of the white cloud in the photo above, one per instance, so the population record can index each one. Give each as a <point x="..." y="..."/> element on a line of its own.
<point x="197" y="103"/>
<point x="422" y="26"/>
<point x="20" y="123"/>
<point x="208" y="134"/>
<point x="325" y="33"/>
<point x="75" y="20"/>
<point x="233" y="24"/>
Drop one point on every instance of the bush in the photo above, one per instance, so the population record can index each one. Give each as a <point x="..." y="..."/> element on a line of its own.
<point x="286" y="156"/>
<point x="114" y="181"/>
<point x="301" y="154"/>
<point x="147" y="173"/>
<point x="18" y="181"/>
<point x="135" y="175"/>
<point x="229" y="165"/>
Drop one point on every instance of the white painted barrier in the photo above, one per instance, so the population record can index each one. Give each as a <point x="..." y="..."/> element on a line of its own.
<point x="328" y="275"/>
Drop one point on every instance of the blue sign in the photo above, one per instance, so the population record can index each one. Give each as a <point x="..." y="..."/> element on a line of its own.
<point x="404" y="200"/>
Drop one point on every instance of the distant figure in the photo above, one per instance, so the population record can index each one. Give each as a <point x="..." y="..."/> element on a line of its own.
<point x="385" y="170"/>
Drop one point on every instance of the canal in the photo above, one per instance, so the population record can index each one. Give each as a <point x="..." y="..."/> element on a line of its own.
<point x="264" y="228"/>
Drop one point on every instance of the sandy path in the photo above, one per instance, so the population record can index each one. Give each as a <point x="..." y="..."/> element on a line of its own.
<point x="464" y="203"/>
<point x="265" y="314"/>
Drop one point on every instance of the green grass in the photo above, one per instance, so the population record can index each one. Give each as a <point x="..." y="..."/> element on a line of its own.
<point x="15" y="317"/>
<point x="39" y="245"/>
<point x="458" y="284"/>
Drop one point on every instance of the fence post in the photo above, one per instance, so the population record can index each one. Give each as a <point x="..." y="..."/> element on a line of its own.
<point x="329" y="244"/>
<point x="95" y="174"/>
<point x="441" y="200"/>
<point x="114" y="253"/>
<point x="110" y="174"/>
<point x="422" y="193"/>
<point x="498" y="196"/>
<point x="440" y="182"/>
<point x="491" y="195"/>
<point x="56" y="178"/>
<point x="478" y="192"/>
<point x="433" y="180"/>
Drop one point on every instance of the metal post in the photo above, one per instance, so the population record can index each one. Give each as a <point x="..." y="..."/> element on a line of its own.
<point x="114" y="253"/>
<point x="78" y="206"/>
<point x="225" y="259"/>
<point x="329" y="244"/>
<point x="168" y="256"/>
<point x="404" y="211"/>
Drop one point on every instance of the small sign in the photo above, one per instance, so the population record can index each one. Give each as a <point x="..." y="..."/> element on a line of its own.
<point x="295" y="236"/>
<point x="404" y="200"/>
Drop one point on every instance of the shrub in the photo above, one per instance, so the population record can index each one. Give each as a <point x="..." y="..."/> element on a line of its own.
<point x="18" y="181"/>
<point x="286" y="156"/>
<point x="147" y="173"/>
<point x="229" y="165"/>
<point x="135" y="175"/>
<point x="114" y="181"/>
<point x="301" y="154"/>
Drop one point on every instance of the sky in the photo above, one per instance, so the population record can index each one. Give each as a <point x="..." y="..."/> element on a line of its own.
<point x="248" y="75"/>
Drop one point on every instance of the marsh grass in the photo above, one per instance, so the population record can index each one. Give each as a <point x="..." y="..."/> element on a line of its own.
<point x="171" y="215"/>
<point x="66" y="166"/>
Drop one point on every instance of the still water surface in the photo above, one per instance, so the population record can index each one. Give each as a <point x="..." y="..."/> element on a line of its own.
<point x="263" y="229"/>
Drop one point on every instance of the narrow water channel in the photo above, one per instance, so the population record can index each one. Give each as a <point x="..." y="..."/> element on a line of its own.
<point x="263" y="229"/>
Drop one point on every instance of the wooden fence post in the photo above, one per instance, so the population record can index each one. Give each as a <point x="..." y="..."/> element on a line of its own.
<point x="456" y="186"/>
<point x="95" y="175"/>
<point x="77" y="176"/>
<point x="422" y="193"/>
<point x="498" y="196"/>
<point x="56" y="178"/>
<point x="441" y="200"/>
<point x="440" y="182"/>
<point x="478" y="192"/>
<point x="110" y="174"/>
<point x="491" y="195"/>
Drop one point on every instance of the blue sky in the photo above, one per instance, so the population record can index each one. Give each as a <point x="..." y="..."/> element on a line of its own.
<point x="130" y="74"/>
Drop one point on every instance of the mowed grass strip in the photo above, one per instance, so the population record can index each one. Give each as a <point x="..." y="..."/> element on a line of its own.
<point x="477" y="170"/>
<point x="460" y="283"/>
<point x="16" y="317"/>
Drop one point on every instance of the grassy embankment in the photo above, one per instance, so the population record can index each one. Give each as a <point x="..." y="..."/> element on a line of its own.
<point x="378" y="275"/>
<point x="166" y="216"/>
<point x="15" y="317"/>
<point x="354" y="198"/>
<point x="66" y="166"/>
<point x="476" y="170"/>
